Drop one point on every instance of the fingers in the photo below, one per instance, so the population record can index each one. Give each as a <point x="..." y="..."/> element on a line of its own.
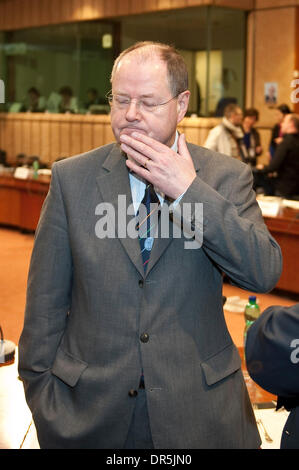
<point x="140" y="144"/>
<point x="133" y="154"/>
<point x="182" y="146"/>
<point x="139" y="170"/>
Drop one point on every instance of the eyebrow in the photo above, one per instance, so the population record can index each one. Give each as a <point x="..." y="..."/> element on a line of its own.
<point x="146" y="95"/>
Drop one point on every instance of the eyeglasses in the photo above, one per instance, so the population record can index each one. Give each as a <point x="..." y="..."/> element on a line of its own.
<point x="144" y="104"/>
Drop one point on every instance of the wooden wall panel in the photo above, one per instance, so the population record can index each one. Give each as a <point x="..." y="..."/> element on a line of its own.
<point x="52" y="136"/>
<point x="98" y="6"/>
<point x="18" y="14"/>
<point x="98" y="134"/>
<point x="35" y="138"/>
<point x="65" y="139"/>
<point x="45" y="132"/>
<point x="274" y="57"/>
<point x="27" y="144"/>
<point x="77" y="10"/>
<point x="149" y="5"/>
<point x="275" y="3"/>
<point x="87" y="137"/>
<point x="139" y="6"/>
<point x="164" y="4"/>
<point x="17" y="133"/>
<point x="55" y="139"/>
<point x="56" y="11"/>
<point x="246" y="4"/>
<point x="76" y="131"/>
<point x="32" y="14"/>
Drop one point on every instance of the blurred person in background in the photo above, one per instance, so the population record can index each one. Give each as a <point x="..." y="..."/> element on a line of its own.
<point x="282" y="173"/>
<point x="68" y="103"/>
<point x="35" y="103"/>
<point x="277" y="134"/>
<point x="228" y="136"/>
<point x="252" y="138"/>
<point x="92" y="98"/>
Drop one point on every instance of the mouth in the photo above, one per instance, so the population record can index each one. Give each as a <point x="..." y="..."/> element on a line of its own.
<point x="130" y="130"/>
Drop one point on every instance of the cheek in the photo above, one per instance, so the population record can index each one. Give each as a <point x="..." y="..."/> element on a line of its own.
<point x="115" y="121"/>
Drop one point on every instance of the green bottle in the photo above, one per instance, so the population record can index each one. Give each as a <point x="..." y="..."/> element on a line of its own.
<point x="35" y="169"/>
<point x="252" y="312"/>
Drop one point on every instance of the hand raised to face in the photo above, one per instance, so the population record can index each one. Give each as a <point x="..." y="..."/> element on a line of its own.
<point x="169" y="171"/>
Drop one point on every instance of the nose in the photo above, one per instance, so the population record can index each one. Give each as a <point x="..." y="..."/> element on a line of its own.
<point x="132" y="113"/>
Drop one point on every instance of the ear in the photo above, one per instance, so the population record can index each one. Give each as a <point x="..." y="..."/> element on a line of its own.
<point x="182" y="104"/>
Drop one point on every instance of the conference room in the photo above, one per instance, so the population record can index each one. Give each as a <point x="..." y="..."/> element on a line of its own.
<point x="63" y="273"/>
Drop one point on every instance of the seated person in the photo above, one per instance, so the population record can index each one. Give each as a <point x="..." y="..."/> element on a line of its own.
<point x="68" y="103"/>
<point x="21" y="160"/>
<point x="285" y="161"/>
<point x="252" y="138"/>
<point x="95" y="104"/>
<point x="3" y="158"/>
<point x="92" y="98"/>
<point x="33" y="159"/>
<point x="272" y="357"/>
<point x="36" y="103"/>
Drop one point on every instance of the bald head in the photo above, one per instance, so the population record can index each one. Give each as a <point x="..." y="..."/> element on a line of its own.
<point x="290" y="124"/>
<point x="177" y="73"/>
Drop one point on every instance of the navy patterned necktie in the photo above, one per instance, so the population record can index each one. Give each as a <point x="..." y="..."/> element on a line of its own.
<point x="147" y="220"/>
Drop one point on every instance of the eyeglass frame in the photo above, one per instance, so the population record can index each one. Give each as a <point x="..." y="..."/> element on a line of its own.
<point x="110" y="96"/>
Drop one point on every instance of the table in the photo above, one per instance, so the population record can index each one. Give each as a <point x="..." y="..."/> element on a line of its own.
<point x="285" y="229"/>
<point x="257" y="394"/>
<point x="17" y="430"/>
<point x="21" y="200"/>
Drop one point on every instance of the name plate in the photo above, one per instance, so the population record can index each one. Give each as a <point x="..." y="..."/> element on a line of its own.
<point x="22" y="173"/>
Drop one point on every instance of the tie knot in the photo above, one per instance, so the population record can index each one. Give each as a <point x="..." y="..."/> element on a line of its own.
<point x="150" y="195"/>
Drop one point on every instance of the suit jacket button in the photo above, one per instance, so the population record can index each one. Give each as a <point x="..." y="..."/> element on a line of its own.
<point x="144" y="337"/>
<point x="141" y="283"/>
<point x="133" y="393"/>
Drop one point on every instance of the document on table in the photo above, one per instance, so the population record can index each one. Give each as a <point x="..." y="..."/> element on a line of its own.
<point x="272" y="422"/>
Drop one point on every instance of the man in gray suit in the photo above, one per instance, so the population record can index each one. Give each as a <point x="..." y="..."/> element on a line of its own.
<point x="118" y="352"/>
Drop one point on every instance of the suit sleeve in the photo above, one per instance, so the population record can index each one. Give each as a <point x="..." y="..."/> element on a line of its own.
<point x="234" y="235"/>
<point x="272" y="350"/>
<point x="48" y="293"/>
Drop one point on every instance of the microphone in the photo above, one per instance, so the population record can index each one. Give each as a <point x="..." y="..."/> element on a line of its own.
<point x="7" y="350"/>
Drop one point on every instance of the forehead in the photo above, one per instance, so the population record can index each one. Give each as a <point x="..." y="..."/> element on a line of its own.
<point x="252" y="117"/>
<point x="147" y="73"/>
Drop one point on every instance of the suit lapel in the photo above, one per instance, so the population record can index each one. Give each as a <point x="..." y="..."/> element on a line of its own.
<point x="115" y="189"/>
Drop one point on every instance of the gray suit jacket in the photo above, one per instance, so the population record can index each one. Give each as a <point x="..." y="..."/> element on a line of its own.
<point x="89" y="302"/>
